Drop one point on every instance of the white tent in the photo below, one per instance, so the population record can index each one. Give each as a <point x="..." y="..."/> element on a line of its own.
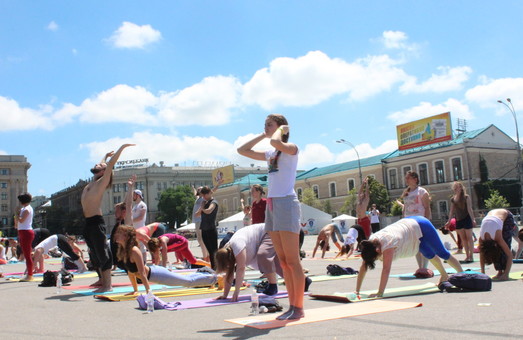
<point x="189" y="227"/>
<point x="313" y="219"/>
<point x="344" y="222"/>
<point x="231" y="223"/>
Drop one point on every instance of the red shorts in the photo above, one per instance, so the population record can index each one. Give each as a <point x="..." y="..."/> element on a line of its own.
<point x="365" y="224"/>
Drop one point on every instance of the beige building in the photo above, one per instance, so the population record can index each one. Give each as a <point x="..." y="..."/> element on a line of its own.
<point x="13" y="181"/>
<point x="438" y="165"/>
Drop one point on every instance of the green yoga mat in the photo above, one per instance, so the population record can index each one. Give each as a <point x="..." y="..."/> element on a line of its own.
<point x="426" y="288"/>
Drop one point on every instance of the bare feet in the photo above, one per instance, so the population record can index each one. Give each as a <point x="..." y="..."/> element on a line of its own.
<point x="96" y="284"/>
<point x="26" y="279"/>
<point x="103" y="289"/>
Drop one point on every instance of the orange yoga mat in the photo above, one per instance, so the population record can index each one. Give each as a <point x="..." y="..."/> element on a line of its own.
<point x="267" y="321"/>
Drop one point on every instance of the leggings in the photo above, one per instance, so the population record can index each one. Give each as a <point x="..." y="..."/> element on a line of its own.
<point x="337" y="231"/>
<point x="430" y="244"/>
<point x="162" y="275"/>
<point x="210" y="239"/>
<point x="26" y="239"/>
<point x="66" y="247"/>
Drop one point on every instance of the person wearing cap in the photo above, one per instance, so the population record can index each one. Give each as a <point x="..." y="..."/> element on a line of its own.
<point x="139" y="209"/>
<point x="95" y="229"/>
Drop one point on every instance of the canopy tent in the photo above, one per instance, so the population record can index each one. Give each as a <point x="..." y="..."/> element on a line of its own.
<point x="188" y="227"/>
<point x="230" y="224"/>
<point x="344" y="222"/>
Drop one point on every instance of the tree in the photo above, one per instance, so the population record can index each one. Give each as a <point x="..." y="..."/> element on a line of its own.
<point x="483" y="169"/>
<point x="175" y="205"/>
<point x="349" y="207"/>
<point x="327" y="207"/>
<point x="309" y="197"/>
<point x="378" y="195"/>
<point x="496" y="201"/>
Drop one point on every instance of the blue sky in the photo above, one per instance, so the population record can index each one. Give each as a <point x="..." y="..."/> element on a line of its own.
<point x="192" y="80"/>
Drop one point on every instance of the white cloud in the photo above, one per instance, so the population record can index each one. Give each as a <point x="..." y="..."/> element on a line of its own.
<point x="52" y="26"/>
<point x="487" y="95"/>
<point x="365" y="150"/>
<point x="314" y="154"/>
<point x="168" y="148"/>
<point x="17" y="118"/>
<point x="426" y="109"/>
<point x="121" y="103"/>
<point x="207" y="103"/>
<point x="315" y="77"/>
<point x="449" y="79"/>
<point x="2" y="152"/>
<point x="398" y="40"/>
<point x="130" y="35"/>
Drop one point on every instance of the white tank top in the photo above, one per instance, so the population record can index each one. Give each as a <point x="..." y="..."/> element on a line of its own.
<point x="413" y="202"/>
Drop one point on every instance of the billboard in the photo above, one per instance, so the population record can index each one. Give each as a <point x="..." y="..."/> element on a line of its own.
<point x="224" y="175"/>
<point x="424" y="131"/>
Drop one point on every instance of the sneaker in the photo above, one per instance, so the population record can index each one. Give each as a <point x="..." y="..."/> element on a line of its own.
<point x="308" y="282"/>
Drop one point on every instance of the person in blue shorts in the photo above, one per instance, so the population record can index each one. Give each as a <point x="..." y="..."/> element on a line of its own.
<point x="404" y="239"/>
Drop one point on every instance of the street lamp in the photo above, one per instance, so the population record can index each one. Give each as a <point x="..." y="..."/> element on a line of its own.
<point x="343" y="141"/>
<point x="518" y="163"/>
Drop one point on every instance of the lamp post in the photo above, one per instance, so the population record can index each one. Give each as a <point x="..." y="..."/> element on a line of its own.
<point x="343" y="141"/>
<point x="518" y="163"/>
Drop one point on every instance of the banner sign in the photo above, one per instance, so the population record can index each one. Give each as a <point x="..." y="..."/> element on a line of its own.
<point x="224" y="175"/>
<point x="425" y="131"/>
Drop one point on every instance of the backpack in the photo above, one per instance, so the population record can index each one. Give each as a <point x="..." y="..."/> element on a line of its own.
<point x="336" y="270"/>
<point x="50" y="277"/>
<point x="471" y="281"/>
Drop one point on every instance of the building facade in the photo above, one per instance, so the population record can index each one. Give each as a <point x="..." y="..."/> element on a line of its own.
<point x="13" y="182"/>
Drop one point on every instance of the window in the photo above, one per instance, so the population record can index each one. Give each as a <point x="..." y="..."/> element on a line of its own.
<point x="116" y="187"/>
<point x="440" y="171"/>
<point x="4" y="172"/>
<point x="4" y="220"/>
<point x="159" y="186"/>
<point x="4" y="195"/>
<point x="139" y="185"/>
<point x="316" y="190"/>
<point x="4" y="207"/>
<point x="457" y="172"/>
<point x="3" y="185"/>
<point x="235" y="204"/>
<point x="351" y="184"/>
<point x="224" y="205"/>
<point x="299" y="192"/>
<point x="393" y="179"/>
<point x="116" y="199"/>
<point x="423" y="172"/>
<point x="405" y="169"/>
<point x="332" y="187"/>
<point x="164" y="185"/>
<point x="443" y="210"/>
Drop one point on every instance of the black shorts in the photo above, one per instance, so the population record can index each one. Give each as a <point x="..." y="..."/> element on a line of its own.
<point x="94" y="234"/>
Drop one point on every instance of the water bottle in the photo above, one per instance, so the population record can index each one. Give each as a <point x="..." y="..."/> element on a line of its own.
<point x="58" y="283"/>
<point x="169" y="266"/>
<point x="149" y="298"/>
<point x="254" y="302"/>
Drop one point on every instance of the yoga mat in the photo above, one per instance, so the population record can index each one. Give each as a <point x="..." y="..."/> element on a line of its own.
<point x="167" y="293"/>
<point x="40" y="277"/>
<point x="267" y="321"/>
<point x="84" y="287"/>
<point x="119" y="290"/>
<point x="211" y="302"/>
<point x="314" y="278"/>
<point x="517" y="261"/>
<point x="426" y="288"/>
<point x="409" y="276"/>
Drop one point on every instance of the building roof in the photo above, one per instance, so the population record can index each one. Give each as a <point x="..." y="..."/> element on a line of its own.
<point x="249" y="180"/>
<point x="455" y="141"/>
<point x="330" y="169"/>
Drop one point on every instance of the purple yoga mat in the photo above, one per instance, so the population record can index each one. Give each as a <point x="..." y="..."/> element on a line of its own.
<point x="210" y="302"/>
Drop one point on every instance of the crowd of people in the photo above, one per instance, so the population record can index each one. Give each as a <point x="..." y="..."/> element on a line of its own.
<point x="270" y="238"/>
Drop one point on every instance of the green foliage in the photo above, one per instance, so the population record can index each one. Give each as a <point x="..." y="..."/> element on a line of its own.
<point x="496" y="201"/>
<point x="308" y="197"/>
<point x="506" y="188"/>
<point x="175" y="205"/>
<point x="349" y="206"/>
<point x="379" y="195"/>
<point x="327" y="207"/>
<point x="396" y="209"/>
<point x="483" y="169"/>
<point x="60" y="221"/>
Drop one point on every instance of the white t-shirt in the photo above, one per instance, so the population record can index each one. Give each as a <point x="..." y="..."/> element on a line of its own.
<point x="28" y="223"/>
<point x="248" y="238"/>
<point x="403" y="236"/>
<point x="281" y="182"/>
<point x="352" y="236"/>
<point x="48" y="244"/>
<point x="413" y="202"/>
<point x="137" y="209"/>
<point x="374" y="216"/>
<point x="490" y="225"/>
